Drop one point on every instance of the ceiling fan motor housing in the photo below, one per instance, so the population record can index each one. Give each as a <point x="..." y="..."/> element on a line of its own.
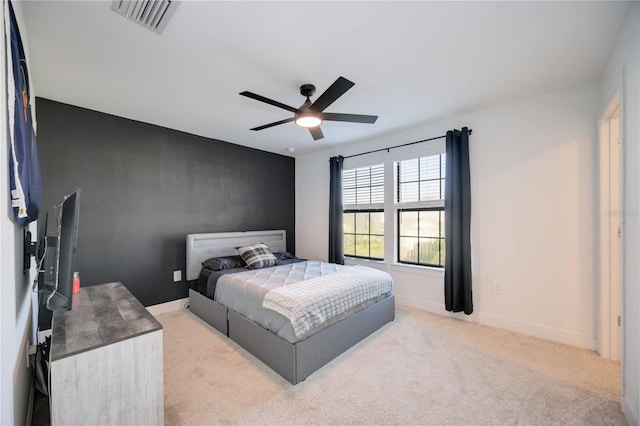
<point x="307" y="90"/>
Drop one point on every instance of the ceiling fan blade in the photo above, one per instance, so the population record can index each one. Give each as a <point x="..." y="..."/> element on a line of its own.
<point x="316" y="132"/>
<point x="353" y="118"/>
<point x="268" y="101"/>
<point x="266" y="126"/>
<point x="337" y="89"/>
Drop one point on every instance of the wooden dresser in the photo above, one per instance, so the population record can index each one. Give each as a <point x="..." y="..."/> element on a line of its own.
<point x="106" y="361"/>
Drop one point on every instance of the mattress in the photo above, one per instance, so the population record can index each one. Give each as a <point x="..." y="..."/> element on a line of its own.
<point x="244" y="292"/>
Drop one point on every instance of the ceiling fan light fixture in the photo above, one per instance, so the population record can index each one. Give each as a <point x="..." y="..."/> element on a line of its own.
<point x="308" y="120"/>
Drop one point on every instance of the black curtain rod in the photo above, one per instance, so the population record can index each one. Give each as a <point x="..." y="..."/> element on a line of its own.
<point x="399" y="146"/>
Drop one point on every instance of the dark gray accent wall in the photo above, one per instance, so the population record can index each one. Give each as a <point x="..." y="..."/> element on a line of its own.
<point x="145" y="187"/>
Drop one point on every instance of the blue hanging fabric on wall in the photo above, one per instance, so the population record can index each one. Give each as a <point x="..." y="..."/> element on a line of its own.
<point x="24" y="164"/>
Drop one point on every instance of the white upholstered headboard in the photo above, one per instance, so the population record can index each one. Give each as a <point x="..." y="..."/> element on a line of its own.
<point x="201" y="247"/>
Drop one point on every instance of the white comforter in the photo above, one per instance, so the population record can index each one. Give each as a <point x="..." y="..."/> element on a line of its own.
<point x="310" y="303"/>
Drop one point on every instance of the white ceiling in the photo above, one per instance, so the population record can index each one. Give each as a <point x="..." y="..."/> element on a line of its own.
<point x="411" y="61"/>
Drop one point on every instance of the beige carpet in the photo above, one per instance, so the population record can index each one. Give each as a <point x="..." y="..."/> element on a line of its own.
<point x="420" y="369"/>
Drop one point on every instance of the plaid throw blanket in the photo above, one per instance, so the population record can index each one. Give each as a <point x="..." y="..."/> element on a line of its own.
<point x="308" y="304"/>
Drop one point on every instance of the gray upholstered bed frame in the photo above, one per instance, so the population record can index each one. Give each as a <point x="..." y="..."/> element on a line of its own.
<point x="293" y="361"/>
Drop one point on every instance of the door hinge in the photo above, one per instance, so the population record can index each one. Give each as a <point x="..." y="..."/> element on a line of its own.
<point x="619" y="232"/>
<point x="619" y="321"/>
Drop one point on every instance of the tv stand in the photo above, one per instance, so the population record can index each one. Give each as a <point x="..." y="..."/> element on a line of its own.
<point x="106" y="360"/>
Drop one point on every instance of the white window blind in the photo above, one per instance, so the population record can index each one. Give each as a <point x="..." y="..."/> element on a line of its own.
<point x="421" y="180"/>
<point x="363" y="186"/>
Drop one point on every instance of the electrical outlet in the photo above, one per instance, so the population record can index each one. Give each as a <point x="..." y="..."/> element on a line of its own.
<point x="177" y="276"/>
<point x="497" y="287"/>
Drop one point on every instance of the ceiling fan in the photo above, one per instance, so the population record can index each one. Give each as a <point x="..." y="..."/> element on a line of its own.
<point x="311" y="115"/>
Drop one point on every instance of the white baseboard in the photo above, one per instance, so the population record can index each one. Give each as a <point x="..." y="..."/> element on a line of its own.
<point x="629" y="413"/>
<point x="530" y="329"/>
<point x="537" y="330"/>
<point x="421" y="304"/>
<point x="174" y="305"/>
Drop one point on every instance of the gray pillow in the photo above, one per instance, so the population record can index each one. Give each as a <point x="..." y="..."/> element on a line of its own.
<point x="224" y="262"/>
<point x="283" y="255"/>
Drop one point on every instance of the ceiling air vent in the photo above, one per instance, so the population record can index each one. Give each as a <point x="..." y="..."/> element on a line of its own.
<point x="151" y="14"/>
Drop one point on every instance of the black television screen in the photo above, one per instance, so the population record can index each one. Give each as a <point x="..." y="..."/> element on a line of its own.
<point x="59" y="261"/>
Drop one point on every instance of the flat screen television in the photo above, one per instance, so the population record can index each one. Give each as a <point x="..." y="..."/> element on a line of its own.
<point x="57" y="261"/>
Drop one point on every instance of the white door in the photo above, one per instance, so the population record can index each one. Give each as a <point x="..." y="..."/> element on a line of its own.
<point x="611" y="232"/>
<point x="616" y="234"/>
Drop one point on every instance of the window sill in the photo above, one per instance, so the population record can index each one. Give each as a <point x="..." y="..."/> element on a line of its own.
<point x="418" y="270"/>
<point x="397" y="267"/>
<point x="377" y="264"/>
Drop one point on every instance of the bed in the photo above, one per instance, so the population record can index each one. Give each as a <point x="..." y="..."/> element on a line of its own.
<point x="291" y="357"/>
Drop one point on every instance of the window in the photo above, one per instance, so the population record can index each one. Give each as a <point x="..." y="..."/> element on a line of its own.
<point x="421" y="236"/>
<point x="420" y="206"/>
<point x="363" y="217"/>
<point x="393" y="206"/>
<point x="364" y="234"/>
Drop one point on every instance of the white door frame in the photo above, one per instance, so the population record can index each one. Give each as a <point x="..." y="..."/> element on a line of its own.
<point x="610" y="222"/>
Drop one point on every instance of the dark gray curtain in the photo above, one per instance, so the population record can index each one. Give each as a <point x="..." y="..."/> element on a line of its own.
<point x="457" y="217"/>
<point x="336" y="243"/>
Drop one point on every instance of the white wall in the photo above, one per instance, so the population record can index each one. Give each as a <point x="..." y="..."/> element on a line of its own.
<point x="623" y="74"/>
<point x="15" y="297"/>
<point x="533" y="222"/>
